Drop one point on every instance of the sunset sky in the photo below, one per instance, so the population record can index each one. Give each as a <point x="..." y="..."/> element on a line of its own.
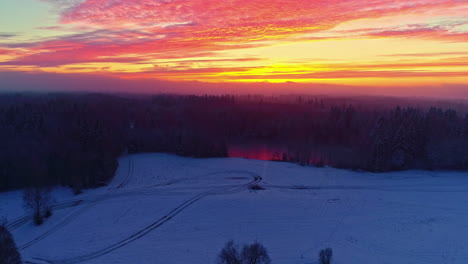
<point x="340" y="42"/>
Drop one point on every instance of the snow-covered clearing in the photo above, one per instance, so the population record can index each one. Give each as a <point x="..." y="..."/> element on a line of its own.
<point x="166" y="209"/>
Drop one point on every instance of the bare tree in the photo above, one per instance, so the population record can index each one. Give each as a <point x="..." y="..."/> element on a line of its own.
<point x="8" y="252"/>
<point x="229" y="254"/>
<point x="325" y="256"/>
<point x="255" y="253"/>
<point x="38" y="200"/>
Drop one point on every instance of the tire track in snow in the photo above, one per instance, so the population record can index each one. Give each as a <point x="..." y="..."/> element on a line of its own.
<point x="20" y="221"/>
<point x="73" y="216"/>
<point x="26" y="218"/>
<point x="256" y="179"/>
<point x="55" y="228"/>
<point x="129" y="175"/>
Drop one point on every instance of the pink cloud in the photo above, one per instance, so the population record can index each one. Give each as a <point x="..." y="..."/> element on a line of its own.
<point x="138" y="31"/>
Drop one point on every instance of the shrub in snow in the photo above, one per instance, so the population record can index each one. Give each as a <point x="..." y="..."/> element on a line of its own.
<point x="48" y="212"/>
<point x="8" y="251"/>
<point x="255" y="253"/>
<point x="325" y="256"/>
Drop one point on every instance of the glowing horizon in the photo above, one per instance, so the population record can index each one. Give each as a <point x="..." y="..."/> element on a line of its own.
<point x="362" y="43"/>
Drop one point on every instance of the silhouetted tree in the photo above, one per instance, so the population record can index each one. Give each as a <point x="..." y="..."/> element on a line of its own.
<point x="38" y="199"/>
<point x="230" y="254"/>
<point x="76" y="140"/>
<point x="8" y="252"/>
<point x="325" y="256"/>
<point x="254" y="253"/>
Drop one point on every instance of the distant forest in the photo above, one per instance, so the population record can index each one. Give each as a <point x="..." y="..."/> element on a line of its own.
<point x="76" y="140"/>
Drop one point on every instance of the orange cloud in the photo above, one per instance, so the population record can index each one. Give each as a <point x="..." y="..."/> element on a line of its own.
<point x="205" y="39"/>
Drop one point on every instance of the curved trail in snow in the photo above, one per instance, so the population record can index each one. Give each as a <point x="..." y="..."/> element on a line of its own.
<point x="79" y="212"/>
<point x="91" y="201"/>
<point x="129" y="175"/>
<point x="20" y="221"/>
<point x="72" y="203"/>
<point x="55" y="228"/>
<point x="255" y="179"/>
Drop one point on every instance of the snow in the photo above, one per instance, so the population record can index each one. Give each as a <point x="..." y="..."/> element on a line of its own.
<point x="401" y="217"/>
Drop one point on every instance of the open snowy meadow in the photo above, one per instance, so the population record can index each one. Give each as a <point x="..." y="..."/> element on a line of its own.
<point x="162" y="208"/>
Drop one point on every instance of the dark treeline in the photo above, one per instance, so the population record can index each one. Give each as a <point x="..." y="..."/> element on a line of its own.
<point x="76" y="140"/>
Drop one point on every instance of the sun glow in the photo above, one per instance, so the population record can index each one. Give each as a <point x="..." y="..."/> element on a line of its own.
<point x="339" y="42"/>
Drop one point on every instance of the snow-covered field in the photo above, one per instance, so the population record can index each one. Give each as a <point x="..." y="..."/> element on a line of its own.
<point x="167" y="209"/>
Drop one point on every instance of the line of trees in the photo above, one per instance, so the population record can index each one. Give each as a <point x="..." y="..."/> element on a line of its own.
<point x="256" y="253"/>
<point x="76" y="140"/>
<point x="231" y="253"/>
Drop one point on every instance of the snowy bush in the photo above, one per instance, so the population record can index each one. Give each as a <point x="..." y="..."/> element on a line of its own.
<point x="8" y="251"/>
<point x="255" y="253"/>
